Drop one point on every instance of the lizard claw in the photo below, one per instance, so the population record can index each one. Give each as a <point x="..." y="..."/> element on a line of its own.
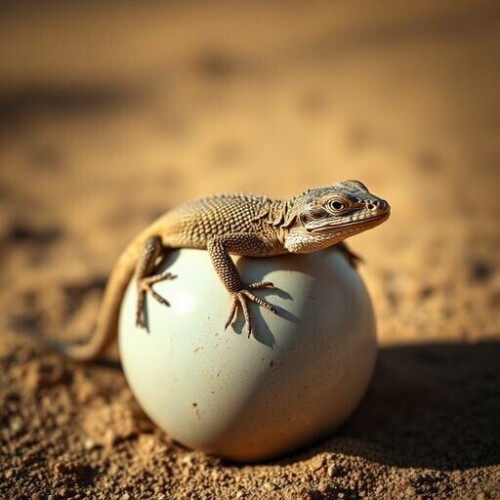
<point x="144" y="287"/>
<point x="241" y="297"/>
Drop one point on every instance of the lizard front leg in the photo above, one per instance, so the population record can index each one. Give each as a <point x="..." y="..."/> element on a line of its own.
<point x="153" y="252"/>
<point x="241" y="244"/>
<point x="353" y="258"/>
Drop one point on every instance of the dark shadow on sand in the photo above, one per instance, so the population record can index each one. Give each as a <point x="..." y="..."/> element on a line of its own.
<point x="432" y="406"/>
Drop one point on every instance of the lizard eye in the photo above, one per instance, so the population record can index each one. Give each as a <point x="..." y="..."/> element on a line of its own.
<point x="337" y="205"/>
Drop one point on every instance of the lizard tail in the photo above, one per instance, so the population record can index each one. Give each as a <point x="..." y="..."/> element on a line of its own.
<point x="106" y="330"/>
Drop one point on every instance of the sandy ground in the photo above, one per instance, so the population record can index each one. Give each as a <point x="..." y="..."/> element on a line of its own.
<point x="112" y="113"/>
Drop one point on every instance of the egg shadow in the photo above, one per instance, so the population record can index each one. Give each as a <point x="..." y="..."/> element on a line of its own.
<point x="429" y="406"/>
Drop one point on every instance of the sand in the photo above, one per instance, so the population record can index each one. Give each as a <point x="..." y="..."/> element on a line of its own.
<point x="112" y="113"/>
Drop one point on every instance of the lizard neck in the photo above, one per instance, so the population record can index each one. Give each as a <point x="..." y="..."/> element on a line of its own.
<point x="280" y="217"/>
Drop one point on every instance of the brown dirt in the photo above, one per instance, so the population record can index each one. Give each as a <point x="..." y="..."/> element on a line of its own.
<point x="110" y="113"/>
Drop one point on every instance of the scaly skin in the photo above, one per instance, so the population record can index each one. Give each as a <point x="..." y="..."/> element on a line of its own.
<point x="240" y="224"/>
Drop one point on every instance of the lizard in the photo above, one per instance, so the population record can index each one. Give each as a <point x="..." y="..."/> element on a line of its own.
<point x="241" y="224"/>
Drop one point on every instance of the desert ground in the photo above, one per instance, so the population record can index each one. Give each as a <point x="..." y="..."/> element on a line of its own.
<point x="113" y="112"/>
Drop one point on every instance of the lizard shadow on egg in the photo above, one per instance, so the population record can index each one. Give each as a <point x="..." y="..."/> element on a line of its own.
<point x="262" y="332"/>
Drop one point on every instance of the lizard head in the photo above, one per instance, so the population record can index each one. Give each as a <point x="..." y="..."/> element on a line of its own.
<point x="325" y="216"/>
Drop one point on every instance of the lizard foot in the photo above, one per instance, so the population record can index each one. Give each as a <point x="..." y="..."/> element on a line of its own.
<point x="241" y="297"/>
<point x="144" y="286"/>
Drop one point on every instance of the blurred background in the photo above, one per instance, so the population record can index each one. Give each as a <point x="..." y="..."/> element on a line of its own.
<point x="113" y="112"/>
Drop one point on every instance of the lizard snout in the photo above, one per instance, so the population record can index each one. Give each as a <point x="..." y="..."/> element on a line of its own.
<point x="378" y="205"/>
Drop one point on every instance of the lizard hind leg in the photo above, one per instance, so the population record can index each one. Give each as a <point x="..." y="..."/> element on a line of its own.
<point x="153" y="252"/>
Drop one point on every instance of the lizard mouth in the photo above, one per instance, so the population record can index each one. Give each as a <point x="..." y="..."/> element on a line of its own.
<point x="352" y="225"/>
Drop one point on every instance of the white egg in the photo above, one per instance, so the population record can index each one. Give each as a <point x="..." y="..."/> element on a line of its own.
<point x="249" y="399"/>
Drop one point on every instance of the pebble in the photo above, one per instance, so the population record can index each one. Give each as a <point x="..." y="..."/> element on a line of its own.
<point x="317" y="462"/>
<point x="89" y="444"/>
<point x="333" y="471"/>
<point x="16" y="425"/>
<point x="269" y="486"/>
<point x="411" y="491"/>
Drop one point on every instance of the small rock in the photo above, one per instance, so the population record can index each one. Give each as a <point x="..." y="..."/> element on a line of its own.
<point x="411" y="491"/>
<point x="269" y="486"/>
<point x="89" y="444"/>
<point x="317" y="462"/>
<point x="16" y="425"/>
<point x="333" y="471"/>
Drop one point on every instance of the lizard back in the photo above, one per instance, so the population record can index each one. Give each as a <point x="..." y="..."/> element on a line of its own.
<point x="192" y="224"/>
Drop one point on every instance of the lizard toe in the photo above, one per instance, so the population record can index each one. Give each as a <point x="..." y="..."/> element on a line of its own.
<point x="240" y="300"/>
<point x="259" y="285"/>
